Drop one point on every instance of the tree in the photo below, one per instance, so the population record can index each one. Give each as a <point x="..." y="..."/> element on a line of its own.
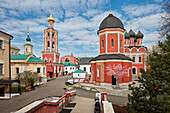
<point x="153" y="93"/>
<point x="117" y="71"/>
<point x="28" y="78"/>
<point x="165" y="19"/>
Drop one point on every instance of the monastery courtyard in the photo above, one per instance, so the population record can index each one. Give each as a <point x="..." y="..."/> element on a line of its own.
<point x="54" y="88"/>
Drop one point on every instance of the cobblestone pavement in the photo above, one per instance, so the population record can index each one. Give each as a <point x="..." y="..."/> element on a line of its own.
<point x="52" y="88"/>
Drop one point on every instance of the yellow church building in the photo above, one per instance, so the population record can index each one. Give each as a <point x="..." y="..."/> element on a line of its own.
<point x="28" y="62"/>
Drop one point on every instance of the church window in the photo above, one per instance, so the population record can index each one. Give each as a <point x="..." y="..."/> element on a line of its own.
<point x="1" y="44"/>
<point x="53" y="35"/>
<point x="102" y="43"/>
<point x="120" y="43"/>
<point x="26" y="50"/>
<point x="12" y="53"/>
<point x="97" y="72"/>
<point x="53" y="44"/>
<point x="17" y="70"/>
<point x="45" y="60"/>
<point x="48" y="34"/>
<point x="112" y="43"/>
<point x="140" y="59"/>
<point x="48" y="45"/>
<point x="38" y="70"/>
<point x="67" y="59"/>
<point x="1" y="69"/>
<point x="133" y="59"/>
<point x="133" y="70"/>
<point x="84" y="68"/>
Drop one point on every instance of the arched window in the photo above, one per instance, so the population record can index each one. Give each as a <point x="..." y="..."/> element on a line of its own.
<point x="52" y="35"/>
<point x="67" y="59"/>
<point x="48" y="34"/>
<point x="53" y="44"/>
<point x="48" y="45"/>
<point x="120" y="43"/>
<point x="134" y="70"/>
<point x="102" y="43"/>
<point x="112" y="43"/>
<point x="26" y="50"/>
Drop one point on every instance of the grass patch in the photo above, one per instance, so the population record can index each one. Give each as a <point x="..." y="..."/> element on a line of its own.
<point x="15" y="89"/>
<point x="51" y="79"/>
<point x="67" y="84"/>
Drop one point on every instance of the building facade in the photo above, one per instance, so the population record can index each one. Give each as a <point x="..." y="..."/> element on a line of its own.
<point x="14" y="50"/>
<point x="80" y="74"/>
<point x="69" y="67"/>
<point x="111" y="64"/>
<point x="50" y="53"/>
<point x="28" y="62"/>
<point x="69" y="58"/>
<point x="136" y="51"/>
<point x="84" y="64"/>
<point x="5" y="75"/>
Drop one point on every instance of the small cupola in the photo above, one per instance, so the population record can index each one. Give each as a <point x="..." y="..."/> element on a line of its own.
<point x="139" y="34"/>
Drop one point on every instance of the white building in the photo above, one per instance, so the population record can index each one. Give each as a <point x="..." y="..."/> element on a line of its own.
<point x="69" y="67"/>
<point x="79" y="74"/>
<point x="84" y="64"/>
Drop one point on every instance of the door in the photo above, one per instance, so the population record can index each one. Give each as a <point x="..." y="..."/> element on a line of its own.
<point x="113" y="80"/>
<point x="2" y="92"/>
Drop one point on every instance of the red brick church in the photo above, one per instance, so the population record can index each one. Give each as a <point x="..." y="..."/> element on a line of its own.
<point x="117" y="52"/>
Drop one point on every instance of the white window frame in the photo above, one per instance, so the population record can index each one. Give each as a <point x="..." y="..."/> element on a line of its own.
<point x="2" y="62"/>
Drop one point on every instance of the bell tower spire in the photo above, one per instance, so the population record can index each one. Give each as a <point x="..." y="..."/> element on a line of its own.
<point x="51" y="20"/>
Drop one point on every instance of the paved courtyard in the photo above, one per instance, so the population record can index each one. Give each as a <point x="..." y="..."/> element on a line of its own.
<point x="52" y="88"/>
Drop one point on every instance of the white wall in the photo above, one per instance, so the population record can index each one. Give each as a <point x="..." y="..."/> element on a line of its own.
<point x="79" y="75"/>
<point x="87" y="68"/>
<point x="67" y="68"/>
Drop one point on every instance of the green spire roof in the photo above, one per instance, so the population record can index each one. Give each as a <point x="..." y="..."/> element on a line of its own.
<point x="34" y="59"/>
<point x="28" y="38"/>
<point x="79" y="71"/>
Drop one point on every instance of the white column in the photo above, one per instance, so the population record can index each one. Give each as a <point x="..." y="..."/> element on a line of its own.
<point x="106" y="42"/>
<point x="20" y="68"/>
<point x="54" y="69"/>
<point x="35" y="68"/>
<point x="54" y="57"/>
<point x="118" y="43"/>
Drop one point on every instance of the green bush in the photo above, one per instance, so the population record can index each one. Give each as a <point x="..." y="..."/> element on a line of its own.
<point x="51" y="79"/>
<point x="15" y="89"/>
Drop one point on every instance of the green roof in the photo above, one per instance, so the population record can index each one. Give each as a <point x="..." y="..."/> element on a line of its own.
<point x="19" y="57"/>
<point x="28" y="38"/>
<point x="79" y="71"/>
<point x="34" y="59"/>
<point x="68" y="64"/>
<point x="28" y="44"/>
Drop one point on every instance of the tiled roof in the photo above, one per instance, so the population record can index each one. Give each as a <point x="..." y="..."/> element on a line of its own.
<point x="34" y="59"/>
<point x="111" y="57"/>
<point x="68" y="64"/>
<point x="79" y="71"/>
<point x="19" y="57"/>
<point x="85" y="60"/>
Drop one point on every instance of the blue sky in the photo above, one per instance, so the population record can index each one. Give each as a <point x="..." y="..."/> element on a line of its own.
<point x="77" y="21"/>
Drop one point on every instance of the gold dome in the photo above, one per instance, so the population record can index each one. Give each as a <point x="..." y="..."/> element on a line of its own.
<point x="51" y="18"/>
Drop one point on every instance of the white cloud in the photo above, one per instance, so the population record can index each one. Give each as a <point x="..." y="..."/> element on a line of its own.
<point x="140" y="10"/>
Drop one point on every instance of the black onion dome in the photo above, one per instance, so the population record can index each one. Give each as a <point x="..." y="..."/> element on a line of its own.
<point x="127" y="36"/>
<point x="139" y="35"/>
<point x="132" y="34"/>
<point x="111" y="22"/>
